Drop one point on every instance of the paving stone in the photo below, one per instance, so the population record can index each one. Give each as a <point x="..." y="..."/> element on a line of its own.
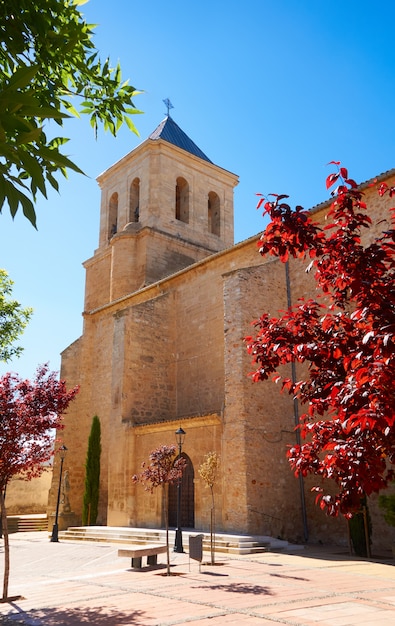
<point x="70" y="583"/>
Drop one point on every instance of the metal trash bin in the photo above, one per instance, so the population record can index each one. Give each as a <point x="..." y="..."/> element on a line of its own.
<point x="196" y="549"/>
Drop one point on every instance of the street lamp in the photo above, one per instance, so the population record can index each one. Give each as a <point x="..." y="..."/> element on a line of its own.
<point x="178" y="547"/>
<point x="62" y="454"/>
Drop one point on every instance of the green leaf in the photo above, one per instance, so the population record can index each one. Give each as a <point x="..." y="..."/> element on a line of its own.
<point x="24" y="138"/>
<point x="59" y="159"/>
<point x="70" y="108"/>
<point x="58" y="141"/>
<point x="52" y="181"/>
<point x="2" y="191"/>
<point x="12" y="194"/>
<point x="28" y="209"/>
<point x="22" y="77"/>
<point x="131" y="126"/>
<point x="35" y="172"/>
<point x="80" y="2"/>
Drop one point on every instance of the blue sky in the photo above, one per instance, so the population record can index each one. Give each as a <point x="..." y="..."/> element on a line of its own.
<point x="270" y="90"/>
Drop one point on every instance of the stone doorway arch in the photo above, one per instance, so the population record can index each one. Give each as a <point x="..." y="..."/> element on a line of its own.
<point x="187" y="508"/>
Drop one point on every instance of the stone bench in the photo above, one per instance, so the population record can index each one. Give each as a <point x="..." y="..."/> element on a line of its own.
<point x="137" y="552"/>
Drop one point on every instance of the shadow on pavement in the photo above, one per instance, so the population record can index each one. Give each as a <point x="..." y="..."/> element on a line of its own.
<point x="239" y="588"/>
<point x="338" y="553"/>
<point x="74" y="617"/>
<point x="290" y="577"/>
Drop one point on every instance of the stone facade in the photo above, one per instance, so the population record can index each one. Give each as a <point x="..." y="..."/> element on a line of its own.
<point x="168" y="301"/>
<point x="27" y="497"/>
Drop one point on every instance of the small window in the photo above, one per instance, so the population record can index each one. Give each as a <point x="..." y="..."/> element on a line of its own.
<point x="214" y="213"/>
<point x="113" y="215"/>
<point x="182" y="200"/>
<point x="134" y="201"/>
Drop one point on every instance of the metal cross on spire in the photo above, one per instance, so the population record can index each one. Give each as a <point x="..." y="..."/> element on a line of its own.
<point x="168" y="105"/>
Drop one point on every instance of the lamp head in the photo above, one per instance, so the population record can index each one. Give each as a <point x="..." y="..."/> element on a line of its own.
<point x="62" y="451"/>
<point x="180" y="436"/>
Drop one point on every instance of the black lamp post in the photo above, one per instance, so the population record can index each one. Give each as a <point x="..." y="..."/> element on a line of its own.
<point x="62" y="454"/>
<point x="178" y="547"/>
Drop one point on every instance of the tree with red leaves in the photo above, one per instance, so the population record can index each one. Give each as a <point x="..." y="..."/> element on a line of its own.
<point x="29" y="413"/>
<point x="164" y="469"/>
<point x="345" y="336"/>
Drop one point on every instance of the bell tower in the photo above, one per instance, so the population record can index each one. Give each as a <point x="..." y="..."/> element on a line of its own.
<point x="164" y="206"/>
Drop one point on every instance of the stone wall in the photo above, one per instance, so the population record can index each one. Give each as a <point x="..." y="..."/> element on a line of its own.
<point x="28" y="497"/>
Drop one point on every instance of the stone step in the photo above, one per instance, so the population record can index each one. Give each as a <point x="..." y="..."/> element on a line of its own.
<point x="27" y="523"/>
<point x="144" y="538"/>
<point x="220" y="546"/>
<point x="230" y="544"/>
<point x="110" y="538"/>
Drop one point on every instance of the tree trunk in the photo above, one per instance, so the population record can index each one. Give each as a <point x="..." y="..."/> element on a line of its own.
<point x="212" y="528"/>
<point x="6" y="546"/>
<point x="166" y="510"/>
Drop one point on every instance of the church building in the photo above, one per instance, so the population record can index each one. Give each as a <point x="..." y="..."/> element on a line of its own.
<point x="169" y="298"/>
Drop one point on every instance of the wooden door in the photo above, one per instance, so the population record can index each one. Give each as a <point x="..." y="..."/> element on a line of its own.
<point x="187" y="497"/>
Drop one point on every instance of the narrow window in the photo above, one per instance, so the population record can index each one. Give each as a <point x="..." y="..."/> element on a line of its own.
<point x="113" y="215"/>
<point x="182" y="200"/>
<point x="214" y="213"/>
<point x="134" y="201"/>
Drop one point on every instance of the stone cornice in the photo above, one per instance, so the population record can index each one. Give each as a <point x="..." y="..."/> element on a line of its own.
<point x="199" y="421"/>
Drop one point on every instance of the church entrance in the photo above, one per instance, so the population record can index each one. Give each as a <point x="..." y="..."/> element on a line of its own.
<point x="187" y="509"/>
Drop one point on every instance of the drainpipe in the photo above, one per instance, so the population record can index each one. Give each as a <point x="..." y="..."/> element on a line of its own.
<point x="296" y="416"/>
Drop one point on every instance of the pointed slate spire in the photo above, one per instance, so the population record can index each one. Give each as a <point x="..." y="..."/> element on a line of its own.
<point x="169" y="131"/>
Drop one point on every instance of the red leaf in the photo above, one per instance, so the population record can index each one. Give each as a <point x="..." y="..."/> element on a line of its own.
<point x="382" y="189"/>
<point x="331" y="179"/>
<point x="368" y="336"/>
<point x="260" y="202"/>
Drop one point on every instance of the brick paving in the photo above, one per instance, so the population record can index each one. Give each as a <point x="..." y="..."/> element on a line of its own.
<point x="87" y="583"/>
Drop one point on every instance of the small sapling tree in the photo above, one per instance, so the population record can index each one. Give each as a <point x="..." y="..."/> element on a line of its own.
<point x="92" y="475"/>
<point x="29" y="412"/>
<point x="345" y="335"/>
<point x="163" y="469"/>
<point x="13" y="319"/>
<point x="208" y="472"/>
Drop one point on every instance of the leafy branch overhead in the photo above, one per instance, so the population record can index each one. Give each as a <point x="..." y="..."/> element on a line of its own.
<point x="346" y="337"/>
<point x="50" y="71"/>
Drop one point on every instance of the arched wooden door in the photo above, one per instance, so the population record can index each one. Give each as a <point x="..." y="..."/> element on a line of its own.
<point x="187" y="508"/>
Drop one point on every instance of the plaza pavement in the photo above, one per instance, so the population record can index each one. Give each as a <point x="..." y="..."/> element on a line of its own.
<point x="87" y="583"/>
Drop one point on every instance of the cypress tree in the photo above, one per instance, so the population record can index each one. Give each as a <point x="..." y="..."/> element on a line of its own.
<point x="92" y="475"/>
